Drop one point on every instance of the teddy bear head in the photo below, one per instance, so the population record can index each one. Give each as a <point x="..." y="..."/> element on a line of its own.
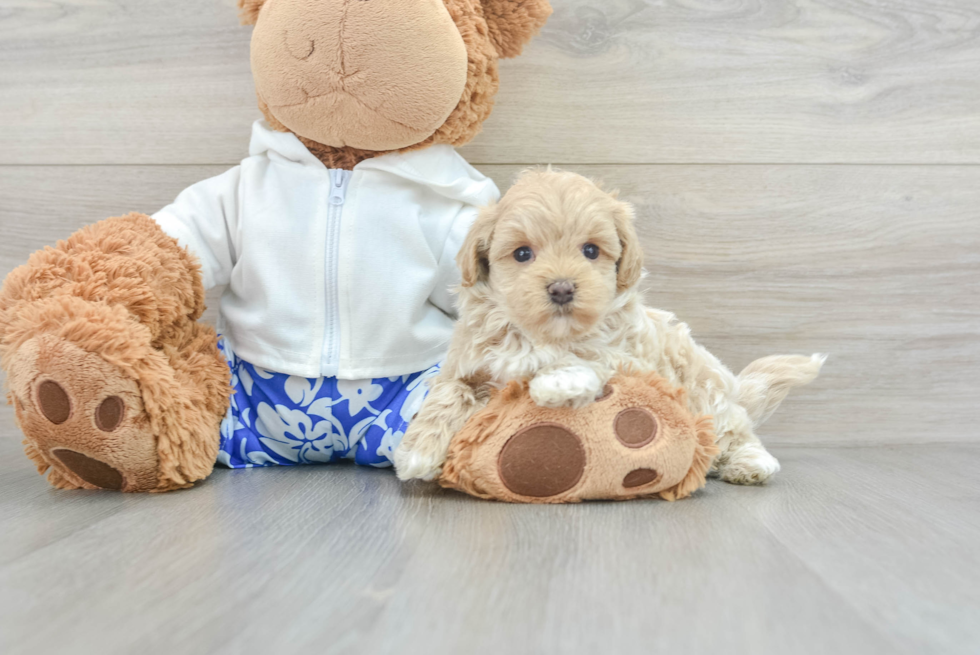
<point x="357" y="78"/>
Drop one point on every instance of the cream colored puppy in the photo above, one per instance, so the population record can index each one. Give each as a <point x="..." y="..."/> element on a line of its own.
<point x="550" y="294"/>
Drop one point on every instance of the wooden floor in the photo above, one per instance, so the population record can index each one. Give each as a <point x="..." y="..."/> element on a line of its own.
<point x="850" y="550"/>
<point x="807" y="179"/>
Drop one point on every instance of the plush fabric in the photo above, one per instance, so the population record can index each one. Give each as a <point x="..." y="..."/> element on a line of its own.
<point x="489" y="30"/>
<point x="512" y="23"/>
<point x="378" y="75"/>
<point x="638" y="440"/>
<point x="110" y="313"/>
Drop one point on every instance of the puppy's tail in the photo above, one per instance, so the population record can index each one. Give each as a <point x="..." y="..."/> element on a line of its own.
<point x="764" y="383"/>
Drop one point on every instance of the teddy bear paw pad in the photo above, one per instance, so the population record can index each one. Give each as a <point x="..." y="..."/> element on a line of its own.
<point x="110" y="413"/>
<point x="54" y="402"/>
<point x="542" y="460"/>
<point x="83" y="417"/>
<point x="91" y="470"/>
<point x="635" y="427"/>
<point x="639" y="477"/>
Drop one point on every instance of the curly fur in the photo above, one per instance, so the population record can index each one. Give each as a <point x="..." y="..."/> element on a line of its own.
<point x="509" y="329"/>
<point x="512" y="23"/>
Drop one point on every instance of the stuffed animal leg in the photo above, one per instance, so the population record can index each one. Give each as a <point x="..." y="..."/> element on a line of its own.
<point x="114" y="384"/>
<point x="638" y="440"/>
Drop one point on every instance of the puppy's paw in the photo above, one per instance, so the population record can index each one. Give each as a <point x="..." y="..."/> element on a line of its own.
<point x="574" y="386"/>
<point x="749" y="464"/>
<point x="417" y="464"/>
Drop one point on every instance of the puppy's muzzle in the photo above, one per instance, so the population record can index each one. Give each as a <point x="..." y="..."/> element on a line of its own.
<point x="561" y="292"/>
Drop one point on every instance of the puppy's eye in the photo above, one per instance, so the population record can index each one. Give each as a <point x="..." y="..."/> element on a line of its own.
<point x="590" y="250"/>
<point x="523" y="254"/>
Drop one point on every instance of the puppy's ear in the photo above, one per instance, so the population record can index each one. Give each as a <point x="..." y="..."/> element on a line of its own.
<point x="474" y="257"/>
<point x="512" y="23"/>
<point x="248" y="11"/>
<point x="630" y="264"/>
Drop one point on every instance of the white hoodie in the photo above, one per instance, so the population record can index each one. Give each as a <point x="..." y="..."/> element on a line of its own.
<point x="332" y="273"/>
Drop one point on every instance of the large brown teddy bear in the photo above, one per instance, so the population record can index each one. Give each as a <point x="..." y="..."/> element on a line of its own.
<point x="115" y="383"/>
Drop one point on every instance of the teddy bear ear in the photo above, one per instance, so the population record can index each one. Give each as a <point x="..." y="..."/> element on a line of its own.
<point x="512" y="23"/>
<point x="248" y="11"/>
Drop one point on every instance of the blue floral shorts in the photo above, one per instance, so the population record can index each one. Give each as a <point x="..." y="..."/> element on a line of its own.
<point x="277" y="419"/>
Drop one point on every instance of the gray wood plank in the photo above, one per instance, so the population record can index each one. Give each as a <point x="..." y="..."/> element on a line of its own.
<point x="877" y="266"/>
<point x="642" y="81"/>
<point x="892" y="551"/>
<point x="850" y="550"/>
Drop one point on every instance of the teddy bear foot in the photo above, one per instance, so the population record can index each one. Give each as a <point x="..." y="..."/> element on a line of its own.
<point x="115" y="384"/>
<point x="637" y="440"/>
<point x="128" y="417"/>
<point x="82" y="418"/>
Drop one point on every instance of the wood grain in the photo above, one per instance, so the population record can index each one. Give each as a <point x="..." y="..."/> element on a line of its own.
<point x="860" y="550"/>
<point x="877" y="266"/>
<point x="608" y="81"/>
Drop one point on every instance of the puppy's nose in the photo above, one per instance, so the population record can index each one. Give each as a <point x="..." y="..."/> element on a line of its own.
<point x="562" y="292"/>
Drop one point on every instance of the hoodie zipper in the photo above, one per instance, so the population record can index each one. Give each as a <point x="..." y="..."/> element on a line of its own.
<point x="330" y="352"/>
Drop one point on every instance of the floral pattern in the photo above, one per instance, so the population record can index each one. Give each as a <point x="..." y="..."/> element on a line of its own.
<point x="275" y="419"/>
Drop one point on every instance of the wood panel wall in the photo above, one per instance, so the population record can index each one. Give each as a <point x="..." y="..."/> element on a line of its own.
<point x="806" y="172"/>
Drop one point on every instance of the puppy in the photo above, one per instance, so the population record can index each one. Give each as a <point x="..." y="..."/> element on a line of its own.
<point x="550" y="294"/>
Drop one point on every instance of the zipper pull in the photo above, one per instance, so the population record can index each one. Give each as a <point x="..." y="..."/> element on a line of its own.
<point x="338" y="185"/>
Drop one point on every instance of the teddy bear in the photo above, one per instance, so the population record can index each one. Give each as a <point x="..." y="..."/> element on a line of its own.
<point x="637" y="440"/>
<point x="334" y="239"/>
